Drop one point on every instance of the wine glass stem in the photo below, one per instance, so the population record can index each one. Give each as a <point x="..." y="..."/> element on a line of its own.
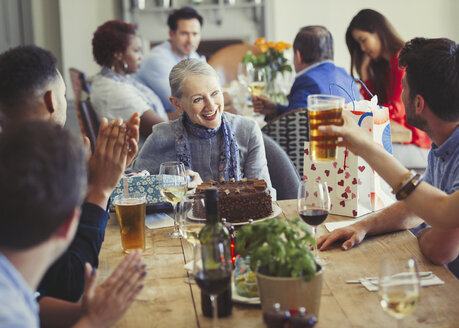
<point x="195" y="256"/>
<point x="399" y="323"/>
<point x="314" y="232"/>
<point x="176" y="210"/>
<point x="213" y="301"/>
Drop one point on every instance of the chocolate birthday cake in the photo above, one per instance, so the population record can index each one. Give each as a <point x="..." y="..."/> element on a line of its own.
<point x="239" y="201"/>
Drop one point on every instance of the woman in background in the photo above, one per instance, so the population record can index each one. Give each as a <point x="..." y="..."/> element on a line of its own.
<point x="114" y="93"/>
<point x="374" y="46"/>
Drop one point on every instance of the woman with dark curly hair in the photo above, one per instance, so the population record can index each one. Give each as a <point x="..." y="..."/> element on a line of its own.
<point x="374" y="46"/>
<point x="114" y="93"/>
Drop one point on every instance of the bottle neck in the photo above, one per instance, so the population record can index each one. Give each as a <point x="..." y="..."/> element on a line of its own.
<point x="211" y="206"/>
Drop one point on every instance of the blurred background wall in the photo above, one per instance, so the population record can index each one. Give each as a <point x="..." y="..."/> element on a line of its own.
<point x="66" y="26"/>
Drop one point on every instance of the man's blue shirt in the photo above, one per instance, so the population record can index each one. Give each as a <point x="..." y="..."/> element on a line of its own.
<point x="18" y="305"/>
<point x="319" y="78"/>
<point x="443" y="173"/>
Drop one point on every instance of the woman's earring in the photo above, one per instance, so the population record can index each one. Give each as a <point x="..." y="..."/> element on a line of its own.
<point x="125" y="65"/>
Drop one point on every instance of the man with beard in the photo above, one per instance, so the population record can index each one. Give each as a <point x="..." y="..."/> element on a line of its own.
<point x="431" y="98"/>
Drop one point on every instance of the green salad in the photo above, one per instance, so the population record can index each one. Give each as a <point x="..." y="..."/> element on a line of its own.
<point x="246" y="284"/>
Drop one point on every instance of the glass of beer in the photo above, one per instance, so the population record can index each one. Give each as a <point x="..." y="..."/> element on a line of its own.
<point x="130" y="210"/>
<point x="323" y="110"/>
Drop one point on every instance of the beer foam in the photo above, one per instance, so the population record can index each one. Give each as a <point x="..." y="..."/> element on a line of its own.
<point x="129" y="201"/>
<point x="328" y="106"/>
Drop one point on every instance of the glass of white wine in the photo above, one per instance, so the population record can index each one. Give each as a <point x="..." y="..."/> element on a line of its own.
<point x="257" y="80"/>
<point x="243" y="71"/>
<point x="173" y="187"/>
<point x="399" y="287"/>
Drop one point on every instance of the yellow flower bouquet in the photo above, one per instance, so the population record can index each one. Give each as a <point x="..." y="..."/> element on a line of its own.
<point x="271" y="57"/>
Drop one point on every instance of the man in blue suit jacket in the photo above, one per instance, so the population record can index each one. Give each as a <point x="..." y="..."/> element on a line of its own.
<point x="313" y="61"/>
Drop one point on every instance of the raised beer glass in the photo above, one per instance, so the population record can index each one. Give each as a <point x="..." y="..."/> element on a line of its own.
<point x="130" y="210"/>
<point x="173" y="187"/>
<point x="323" y="110"/>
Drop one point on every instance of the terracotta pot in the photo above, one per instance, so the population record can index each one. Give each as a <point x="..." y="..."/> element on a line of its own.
<point x="290" y="293"/>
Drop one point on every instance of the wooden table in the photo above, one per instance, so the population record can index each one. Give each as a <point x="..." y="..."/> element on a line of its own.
<point x="399" y="133"/>
<point x="167" y="301"/>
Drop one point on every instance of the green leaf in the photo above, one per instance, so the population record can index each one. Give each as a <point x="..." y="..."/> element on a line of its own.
<point x="278" y="247"/>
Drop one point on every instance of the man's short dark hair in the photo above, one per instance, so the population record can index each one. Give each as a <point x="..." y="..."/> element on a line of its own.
<point x="42" y="180"/>
<point x="315" y="43"/>
<point x="24" y="70"/>
<point x="432" y="71"/>
<point x="182" y="13"/>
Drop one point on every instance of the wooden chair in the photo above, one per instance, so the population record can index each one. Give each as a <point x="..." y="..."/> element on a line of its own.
<point x="290" y="131"/>
<point x="89" y="121"/>
<point x="81" y="88"/>
<point x="226" y="60"/>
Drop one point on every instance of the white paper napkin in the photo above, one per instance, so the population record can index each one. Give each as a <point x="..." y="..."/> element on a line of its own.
<point x="340" y="224"/>
<point x="372" y="284"/>
<point x="158" y="220"/>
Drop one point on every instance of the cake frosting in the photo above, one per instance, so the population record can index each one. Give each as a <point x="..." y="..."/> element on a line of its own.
<point x="239" y="201"/>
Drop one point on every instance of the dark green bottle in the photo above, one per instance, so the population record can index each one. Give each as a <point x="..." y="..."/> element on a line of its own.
<point x="212" y="237"/>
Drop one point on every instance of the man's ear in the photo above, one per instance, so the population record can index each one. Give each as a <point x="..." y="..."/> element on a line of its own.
<point x="419" y="104"/>
<point x="68" y="228"/>
<point x="177" y="105"/>
<point x="298" y="56"/>
<point x="171" y="34"/>
<point x="48" y="98"/>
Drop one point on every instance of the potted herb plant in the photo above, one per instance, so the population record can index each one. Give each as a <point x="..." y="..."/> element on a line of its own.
<point x="280" y="254"/>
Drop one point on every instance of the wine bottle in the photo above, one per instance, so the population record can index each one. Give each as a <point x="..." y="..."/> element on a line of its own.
<point x="212" y="235"/>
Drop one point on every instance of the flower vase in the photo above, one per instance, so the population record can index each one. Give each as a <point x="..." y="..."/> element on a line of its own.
<point x="273" y="88"/>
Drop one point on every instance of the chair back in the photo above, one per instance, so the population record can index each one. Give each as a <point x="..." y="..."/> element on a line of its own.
<point x="81" y="88"/>
<point x="284" y="176"/>
<point x="225" y="61"/>
<point x="290" y="131"/>
<point x="89" y="121"/>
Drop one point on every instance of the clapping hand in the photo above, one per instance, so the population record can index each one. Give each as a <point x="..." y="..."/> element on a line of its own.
<point x="116" y="146"/>
<point x="105" y="304"/>
<point x="132" y="126"/>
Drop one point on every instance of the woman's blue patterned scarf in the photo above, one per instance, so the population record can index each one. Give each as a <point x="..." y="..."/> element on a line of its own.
<point x="230" y="164"/>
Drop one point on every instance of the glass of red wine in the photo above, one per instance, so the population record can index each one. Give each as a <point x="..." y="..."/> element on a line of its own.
<point x="214" y="277"/>
<point x="313" y="208"/>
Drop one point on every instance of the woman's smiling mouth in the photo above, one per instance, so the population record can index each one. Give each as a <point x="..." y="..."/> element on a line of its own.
<point x="210" y="116"/>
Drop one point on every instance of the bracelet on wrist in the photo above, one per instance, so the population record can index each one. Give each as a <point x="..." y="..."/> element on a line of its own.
<point x="406" y="177"/>
<point x="409" y="187"/>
